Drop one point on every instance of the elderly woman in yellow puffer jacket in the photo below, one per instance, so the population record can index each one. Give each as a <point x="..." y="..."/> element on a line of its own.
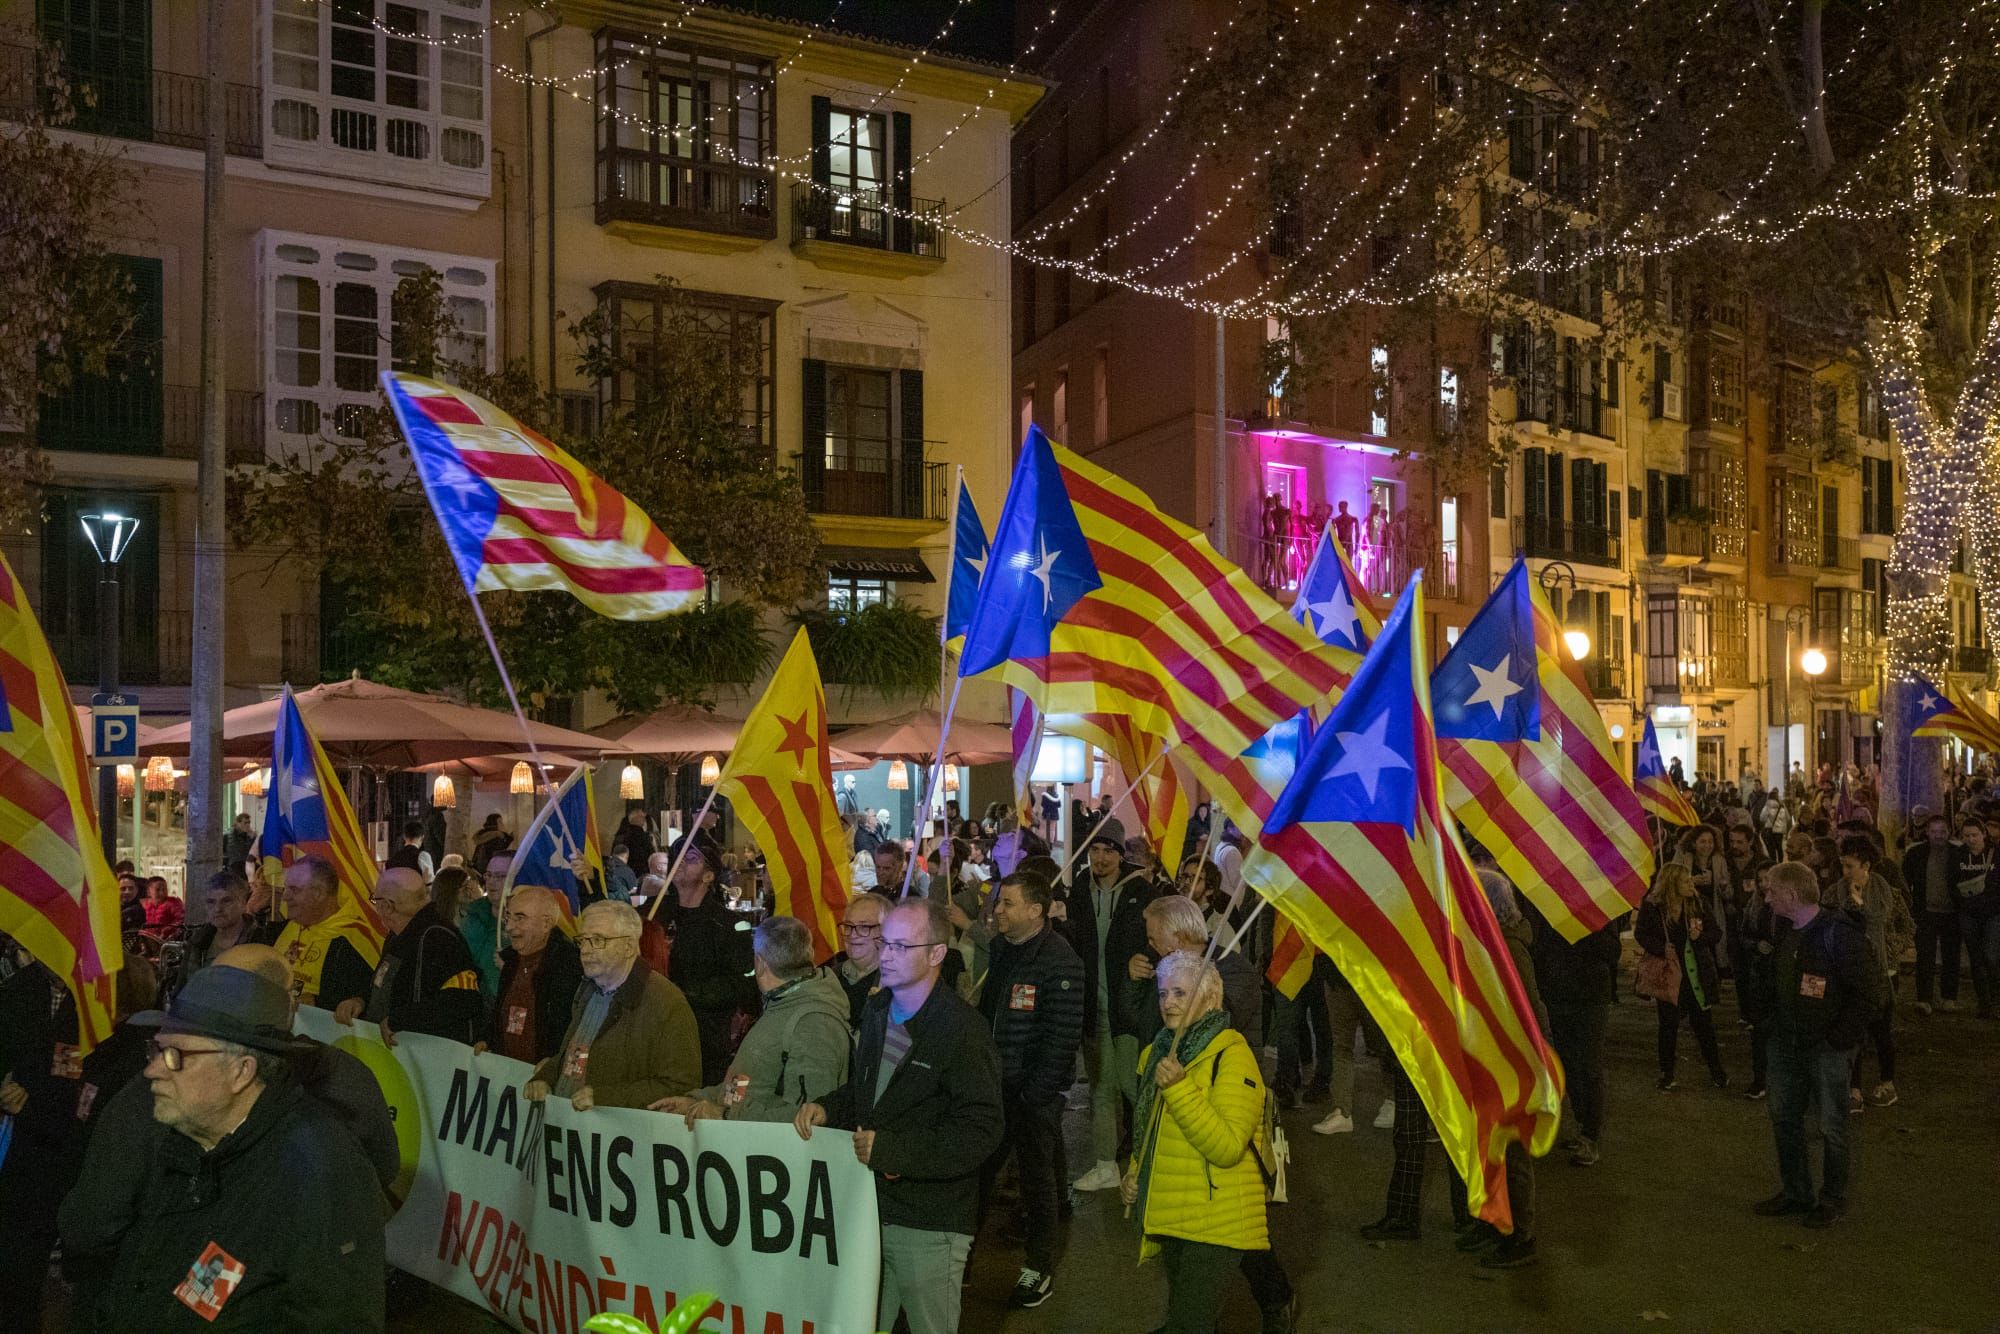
<point x="1195" y="1181"/>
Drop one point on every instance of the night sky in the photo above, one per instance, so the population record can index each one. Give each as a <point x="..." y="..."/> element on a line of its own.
<point x="984" y="30"/>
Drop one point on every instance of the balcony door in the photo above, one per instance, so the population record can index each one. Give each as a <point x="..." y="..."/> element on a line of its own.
<point x="859" y="439"/>
<point x="120" y="411"/>
<point x="107" y="48"/>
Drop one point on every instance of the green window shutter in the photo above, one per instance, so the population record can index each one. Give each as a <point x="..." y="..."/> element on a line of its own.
<point x="900" y="230"/>
<point x="812" y="447"/>
<point x="910" y="491"/>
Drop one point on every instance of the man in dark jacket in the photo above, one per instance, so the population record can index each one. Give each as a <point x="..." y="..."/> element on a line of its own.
<point x="1828" y="986"/>
<point x="1579" y="982"/>
<point x="923" y="1099"/>
<point x="426" y="982"/>
<point x="1104" y="917"/>
<point x="258" y="1211"/>
<point x="1033" y="999"/>
<point x="1932" y="870"/>
<point x="711" y="959"/>
<point x="540" y="971"/>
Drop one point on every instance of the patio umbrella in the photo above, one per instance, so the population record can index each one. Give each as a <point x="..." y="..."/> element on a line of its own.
<point x="683" y="733"/>
<point x="366" y="725"/>
<point x="914" y="737"/>
<point x="497" y="771"/>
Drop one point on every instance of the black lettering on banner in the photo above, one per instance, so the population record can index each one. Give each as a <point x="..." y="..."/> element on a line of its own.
<point x="818" y="1221"/>
<point x="552" y="1163"/>
<point x="621" y="1180"/>
<point x="471" y="1110"/>
<point x="506" y="1115"/>
<point x="585" y="1180"/>
<point x="711" y="1165"/>
<point x="665" y="1192"/>
<point x="768" y="1204"/>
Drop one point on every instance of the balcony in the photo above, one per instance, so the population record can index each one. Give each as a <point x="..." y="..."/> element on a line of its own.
<point x="1792" y="556"/>
<point x="1732" y="668"/>
<point x="1972" y="659"/>
<point x="138" y="416"/>
<point x="1605" y="679"/>
<point x="312" y="652"/>
<point x="158" y="106"/>
<point x="1676" y="542"/>
<point x="1543" y="537"/>
<point x="729" y="201"/>
<point x="1841" y="555"/>
<point x="1856" y="660"/>
<point x="879" y="488"/>
<point x="1839" y="451"/>
<point x="154" y="650"/>
<point x="864" y="233"/>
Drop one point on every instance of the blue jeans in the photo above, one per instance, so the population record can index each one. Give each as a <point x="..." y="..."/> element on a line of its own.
<point x="1810" y="1081"/>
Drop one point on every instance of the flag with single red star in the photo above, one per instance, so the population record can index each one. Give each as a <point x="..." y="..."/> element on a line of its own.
<point x="1528" y="765"/>
<point x="1358" y="851"/>
<point x="779" y="781"/>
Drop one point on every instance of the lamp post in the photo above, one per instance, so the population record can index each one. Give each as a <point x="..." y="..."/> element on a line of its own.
<point x="1555" y="573"/>
<point x="1812" y="662"/>
<point x="109" y="535"/>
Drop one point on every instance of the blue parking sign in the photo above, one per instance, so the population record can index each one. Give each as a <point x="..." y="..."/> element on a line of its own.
<point x="114" y="733"/>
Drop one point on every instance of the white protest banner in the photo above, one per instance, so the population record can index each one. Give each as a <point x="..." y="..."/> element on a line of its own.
<point x="545" y="1215"/>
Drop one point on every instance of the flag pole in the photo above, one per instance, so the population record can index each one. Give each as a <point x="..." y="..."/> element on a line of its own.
<point x="935" y="775"/>
<point x="687" y="841"/>
<point x="1241" y="931"/>
<point x="1132" y="786"/>
<point x="527" y="732"/>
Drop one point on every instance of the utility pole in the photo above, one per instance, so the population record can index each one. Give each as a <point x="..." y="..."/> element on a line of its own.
<point x="204" y="814"/>
<point x="1220" y="472"/>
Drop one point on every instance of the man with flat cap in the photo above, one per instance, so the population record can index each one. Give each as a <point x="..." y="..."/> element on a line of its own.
<point x="258" y="1210"/>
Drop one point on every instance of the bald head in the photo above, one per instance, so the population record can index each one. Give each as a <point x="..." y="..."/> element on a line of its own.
<point x="532" y="913"/>
<point x="262" y="960"/>
<point x="400" y="894"/>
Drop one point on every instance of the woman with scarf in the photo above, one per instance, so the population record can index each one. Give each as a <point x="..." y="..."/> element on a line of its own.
<point x="1196" y="1180"/>
<point x="1674" y="920"/>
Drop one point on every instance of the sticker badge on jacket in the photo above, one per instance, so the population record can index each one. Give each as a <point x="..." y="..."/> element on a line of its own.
<point x="1022" y="997"/>
<point x="577" y="1061"/>
<point x="211" y="1282"/>
<point x="517" y="1020"/>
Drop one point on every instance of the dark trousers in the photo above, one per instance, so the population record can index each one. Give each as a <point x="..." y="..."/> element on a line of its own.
<point x="1197" y="1279"/>
<point x="1938" y="943"/>
<point x="1034" y="1138"/>
<point x="1882" y="1036"/>
<point x="1409" y="1139"/>
<point x="1269" y="1285"/>
<point x="1810" y="1082"/>
<point x="1302" y="1035"/>
<point x="1760" y="1053"/>
<point x="1577" y="1031"/>
<point x="1972" y="930"/>
<point x="1520" y="1192"/>
<point x="1670" y="1029"/>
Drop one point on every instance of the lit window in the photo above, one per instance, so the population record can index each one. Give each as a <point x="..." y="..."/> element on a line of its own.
<point x="1378" y="390"/>
<point x="1447" y="399"/>
<point x="848" y="594"/>
<point x="395" y="89"/>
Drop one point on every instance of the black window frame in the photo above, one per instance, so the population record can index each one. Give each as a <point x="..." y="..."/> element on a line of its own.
<point x="629" y="308"/>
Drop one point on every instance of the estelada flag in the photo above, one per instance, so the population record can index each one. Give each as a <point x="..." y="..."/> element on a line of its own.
<point x="561" y="850"/>
<point x="1333" y="602"/>
<point x="519" y="513"/>
<point x="1948" y="713"/>
<point x="1359" y="852"/>
<point x="1658" y="793"/>
<point x="57" y="895"/>
<point x="1528" y="765"/>
<point x="779" y="781"/>
<point x="306" y="813"/>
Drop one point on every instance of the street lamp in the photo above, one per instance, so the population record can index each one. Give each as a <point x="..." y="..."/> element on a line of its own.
<point x="1812" y="662"/>
<point x="1559" y="572"/>
<point x="109" y="535"/>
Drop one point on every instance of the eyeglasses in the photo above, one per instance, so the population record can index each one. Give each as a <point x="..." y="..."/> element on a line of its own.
<point x="599" y="942"/>
<point x="861" y="929"/>
<point x="176" y="1057"/>
<point x="905" y="946"/>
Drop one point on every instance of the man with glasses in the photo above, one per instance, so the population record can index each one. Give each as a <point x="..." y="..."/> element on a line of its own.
<point x="631" y="1039"/>
<point x="858" y="966"/>
<point x="540" y="971"/>
<point x="258" y="1209"/>
<point x="923" y="1101"/>
<point x="426" y="982"/>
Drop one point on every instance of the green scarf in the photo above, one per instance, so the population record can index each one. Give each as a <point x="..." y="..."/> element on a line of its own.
<point x="1194" y="1040"/>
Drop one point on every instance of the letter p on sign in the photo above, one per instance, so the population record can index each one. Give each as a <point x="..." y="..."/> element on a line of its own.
<point x="114" y="733"/>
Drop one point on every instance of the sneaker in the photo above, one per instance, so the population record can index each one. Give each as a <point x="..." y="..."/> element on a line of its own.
<point x="1666" y="1084"/>
<point x="1513" y="1252"/>
<point x="1477" y="1236"/>
<point x="1854" y="1104"/>
<point x="1286" y="1098"/>
<point x="1586" y="1155"/>
<point x="1031" y="1289"/>
<point x="1884" y="1094"/>
<point x="1823" y="1215"/>
<point x="1780" y="1206"/>
<point x="1923" y="1008"/>
<point x="1335" y="1122"/>
<point x="1756" y="1092"/>
<point x="1386" y="1229"/>
<point x="1385" y="1119"/>
<point x="1104" y="1176"/>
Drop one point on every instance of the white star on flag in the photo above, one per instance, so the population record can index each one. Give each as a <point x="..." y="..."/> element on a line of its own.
<point x="1496" y="687"/>
<point x="1929" y="702"/>
<point x="1649" y="757"/>
<point x="1044" y="568"/>
<point x="1336" y="612"/>
<point x="1365" y="754"/>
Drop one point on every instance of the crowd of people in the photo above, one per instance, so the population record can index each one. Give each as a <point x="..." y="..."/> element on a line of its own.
<point x="978" y="996"/>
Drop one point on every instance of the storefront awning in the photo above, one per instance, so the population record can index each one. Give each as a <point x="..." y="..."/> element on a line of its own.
<point x="878" y="563"/>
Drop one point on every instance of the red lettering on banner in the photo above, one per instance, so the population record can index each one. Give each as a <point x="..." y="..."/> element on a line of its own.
<point x="490" y="1225"/>
<point x="574" y="1279"/>
<point x="546" y="1290"/>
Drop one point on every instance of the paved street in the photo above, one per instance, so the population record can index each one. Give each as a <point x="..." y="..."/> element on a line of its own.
<point x="1658" y="1237"/>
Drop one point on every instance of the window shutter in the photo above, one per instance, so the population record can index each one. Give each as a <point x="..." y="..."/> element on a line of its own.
<point x="910" y="493"/>
<point x="1663" y="375"/>
<point x="900" y="230"/>
<point x="1535" y="477"/>
<point x="1557" y="511"/>
<point x="812" y="446"/>
<point x="822" y="142"/>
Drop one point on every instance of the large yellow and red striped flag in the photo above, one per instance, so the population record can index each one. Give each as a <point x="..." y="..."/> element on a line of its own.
<point x="518" y="512"/>
<point x="1159" y="799"/>
<point x="57" y="896"/>
<point x="779" y="781"/>
<point x="1291" y="963"/>
<point x="1358" y="851"/>
<point x="1529" y="768"/>
<point x="1095" y="603"/>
